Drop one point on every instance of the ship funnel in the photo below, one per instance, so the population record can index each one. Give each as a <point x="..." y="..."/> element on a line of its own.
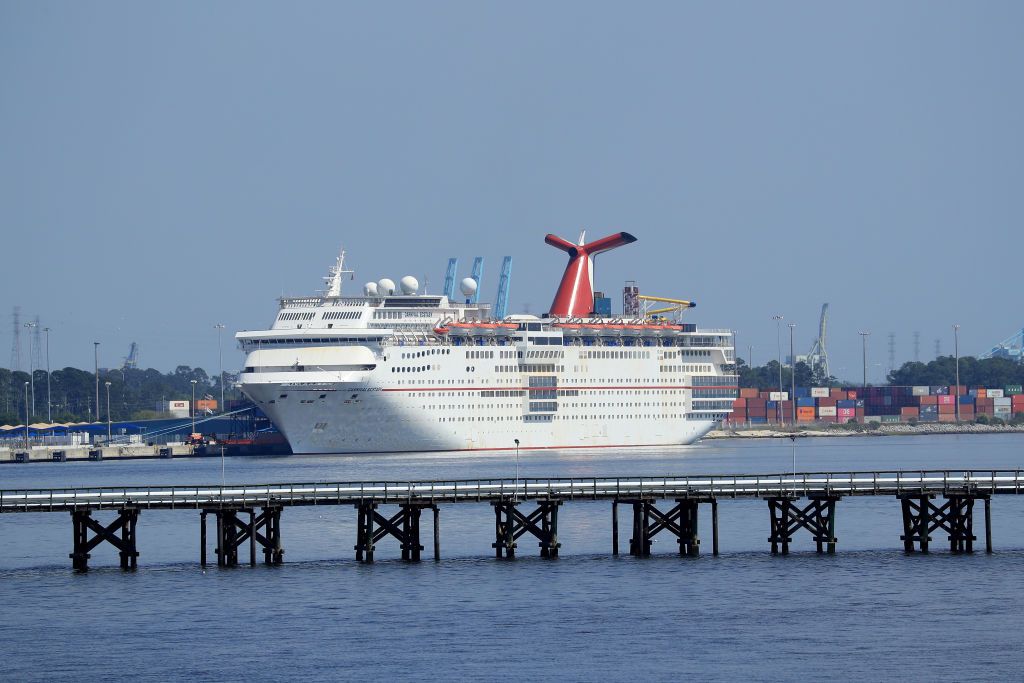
<point x="575" y="295"/>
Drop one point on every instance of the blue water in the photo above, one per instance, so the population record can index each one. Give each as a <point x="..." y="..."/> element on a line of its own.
<point x="869" y="612"/>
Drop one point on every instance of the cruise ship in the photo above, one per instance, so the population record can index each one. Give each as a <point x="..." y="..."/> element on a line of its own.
<point x="397" y="369"/>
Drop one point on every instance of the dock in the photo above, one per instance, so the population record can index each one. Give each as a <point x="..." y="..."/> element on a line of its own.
<point x="930" y="502"/>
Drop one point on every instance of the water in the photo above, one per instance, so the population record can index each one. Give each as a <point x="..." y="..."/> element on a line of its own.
<point x="869" y="611"/>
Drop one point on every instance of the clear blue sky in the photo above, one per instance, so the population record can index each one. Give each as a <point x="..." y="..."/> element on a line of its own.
<point x="168" y="166"/>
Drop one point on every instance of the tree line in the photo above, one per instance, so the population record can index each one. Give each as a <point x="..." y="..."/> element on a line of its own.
<point x="135" y="393"/>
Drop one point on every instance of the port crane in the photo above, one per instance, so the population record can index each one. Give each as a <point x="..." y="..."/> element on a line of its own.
<point x="1011" y="348"/>
<point x="504" y="282"/>
<point x="817" y="357"/>
<point x="449" y="278"/>
<point x="478" y="273"/>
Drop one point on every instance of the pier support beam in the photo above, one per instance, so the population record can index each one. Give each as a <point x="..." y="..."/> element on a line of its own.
<point x="263" y="529"/>
<point x="818" y="517"/>
<point x="404" y="526"/>
<point x="510" y="524"/>
<point x="680" y="521"/>
<point x="955" y="516"/>
<point x="82" y="523"/>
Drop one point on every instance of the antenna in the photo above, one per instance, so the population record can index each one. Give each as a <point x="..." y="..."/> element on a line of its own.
<point x="335" y="275"/>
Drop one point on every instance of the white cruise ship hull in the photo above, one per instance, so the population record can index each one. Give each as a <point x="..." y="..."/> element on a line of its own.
<point x="353" y="420"/>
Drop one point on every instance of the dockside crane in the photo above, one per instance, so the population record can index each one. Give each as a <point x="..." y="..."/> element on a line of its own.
<point x="817" y="357"/>
<point x="131" y="361"/>
<point x="504" y="282"/>
<point x="1011" y="348"/>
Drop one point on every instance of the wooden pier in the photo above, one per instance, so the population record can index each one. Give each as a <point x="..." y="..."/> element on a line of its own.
<point x="250" y="515"/>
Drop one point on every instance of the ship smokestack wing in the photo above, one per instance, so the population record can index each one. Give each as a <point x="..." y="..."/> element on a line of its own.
<point x="575" y="295"/>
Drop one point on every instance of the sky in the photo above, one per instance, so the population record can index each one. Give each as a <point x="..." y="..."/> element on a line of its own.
<point x="166" y="167"/>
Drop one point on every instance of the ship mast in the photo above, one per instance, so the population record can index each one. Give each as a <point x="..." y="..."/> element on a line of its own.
<point x="335" y="276"/>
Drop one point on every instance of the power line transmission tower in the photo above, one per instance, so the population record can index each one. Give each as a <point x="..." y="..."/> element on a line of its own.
<point x="917" y="347"/>
<point x="892" y="351"/>
<point x="16" y="340"/>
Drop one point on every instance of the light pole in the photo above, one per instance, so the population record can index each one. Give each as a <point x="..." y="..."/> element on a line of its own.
<point x="48" y="402"/>
<point x="864" y="343"/>
<point x="108" y="412"/>
<point x="778" y="343"/>
<point x="220" y="361"/>
<point x="750" y="353"/>
<point x="956" y="352"/>
<point x="32" y="370"/>
<point x="96" y="361"/>
<point x="792" y="370"/>
<point x="517" y="465"/>
<point x="27" y="446"/>
<point x="193" y="406"/>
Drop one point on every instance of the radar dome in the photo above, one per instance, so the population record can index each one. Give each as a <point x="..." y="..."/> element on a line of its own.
<point x="468" y="286"/>
<point x="370" y="289"/>
<point x="410" y="285"/>
<point x="385" y="287"/>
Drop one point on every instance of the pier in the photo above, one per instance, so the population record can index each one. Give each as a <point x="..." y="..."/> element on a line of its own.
<point x="930" y="502"/>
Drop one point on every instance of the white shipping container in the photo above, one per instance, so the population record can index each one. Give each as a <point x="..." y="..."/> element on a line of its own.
<point x="1007" y="401"/>
<point x="826" y="411"/>
<point x="994" y="393"/>
<point x="177" y="405"/>
<point x="1003" y="410"/>
<point x="920" y="391"/>
<point x="819" y="392"/>
<point x="778" y="396"/>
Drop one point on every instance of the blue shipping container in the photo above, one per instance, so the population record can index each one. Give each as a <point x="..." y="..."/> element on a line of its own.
<point x="846" y="403"/>
<point x="967" y="400"/>
<point x="802" y="392"/>
<point x="805" y="402"/>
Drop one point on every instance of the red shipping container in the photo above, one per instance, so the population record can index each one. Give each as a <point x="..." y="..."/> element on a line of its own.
<point x="947" y="409"/>
<point x="748" y="393"/>
<point x="929" y="400"/>
<point x="739" y="403"/>
<point x="846" y="412"/>
<point x="1017" y="400"/>
<point x="851" y="395"/>
<point x="827" y="402"/>
<point x="946" y="400"/>
<point x="910" y="412"/>
<point x="957" y="390"/>
<point x="837" y="393"/>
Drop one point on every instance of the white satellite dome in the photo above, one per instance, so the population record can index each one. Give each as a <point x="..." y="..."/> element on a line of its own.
<point x="468" y="286"/>
<point x="370" y="289"/>
<point x="410" y="285"/>
<point x="385" y="287"/>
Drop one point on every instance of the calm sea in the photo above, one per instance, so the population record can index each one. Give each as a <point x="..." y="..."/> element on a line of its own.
<point x="869" y="612"/>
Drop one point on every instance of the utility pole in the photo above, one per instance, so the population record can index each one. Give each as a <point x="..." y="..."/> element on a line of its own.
<point x="96" y="360"/>
<point x="32" y="369"/>
<point x="108" y="412"/>
<point x="778" y="343"/>
<point x="49" y="403"/>
<point x="220" y="360"/>
<point x="792" y="370"/>
<point x="892" y="351"/>
<point x="917" y="347"/>
<point x="864" y="342"/>
<point x="956" y="352"/>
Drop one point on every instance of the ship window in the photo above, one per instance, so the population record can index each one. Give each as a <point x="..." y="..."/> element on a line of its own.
<point x="283" y="396"/>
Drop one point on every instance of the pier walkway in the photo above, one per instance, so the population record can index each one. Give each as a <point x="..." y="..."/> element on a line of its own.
<point x="801" y="501"/>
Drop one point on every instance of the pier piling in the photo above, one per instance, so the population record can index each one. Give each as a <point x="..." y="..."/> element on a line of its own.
<point x="818" y="517"/>
<point x="403" y="526"/>
<point x="510" y="524"/>
<point x="125" y="522"/>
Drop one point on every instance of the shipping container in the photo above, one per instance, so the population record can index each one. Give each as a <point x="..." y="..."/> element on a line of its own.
<point x="805" y="414"/>
<point x="826" y="411"/>
<point x="802" y="392"/>
<point x="1007" y="401"/>
<point x="994" y="393"/>
<point x="851" y="395"/>
<point x="966" y="400"/>
<point x="929" y="400"/>
<point x="955" y="390"/>
<point x="945" y="400"/>
<point x="1012" y="389"/>
<point x="805" y="403"/>
<point x="919" y="391"/>
<point x="827" y="402"/>
<point x="739" y="403"/>
<point x="846" y="403"/>
<point x="910" y="412"/>
<point x="748" y="393"/>
<point x="890" y="418"/>
<point x="837" y="393"/>
<point x="939" y="391"/>
<point x="778" y="396"/>
<point x="947" y="409"/>
<point x="819" y="392"/>
<point x="846" y="412"/>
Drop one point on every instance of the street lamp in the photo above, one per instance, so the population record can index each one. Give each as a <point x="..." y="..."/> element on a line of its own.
<point x="27" y="446"/>
<point x="49" y="418"/>
<point x="220" y="361"/>
<point x="778" y="343"/>
<point x="864" y="342"/>
<point x="32" y="370"/>
<point x="792" y="371"/>
<point x="96" y="361"/>
<point x="956" y="352"/>
<point x="108" y="412"/>
<point x="193" y="405"/>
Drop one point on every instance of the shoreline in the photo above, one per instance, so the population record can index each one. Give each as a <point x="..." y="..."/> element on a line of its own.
<point x="841" y="431"/>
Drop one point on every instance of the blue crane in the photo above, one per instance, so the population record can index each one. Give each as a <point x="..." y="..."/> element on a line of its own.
<point x="478" y="273"/>
<point x="504" y="282"/>
<point x="449" y="278"/>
